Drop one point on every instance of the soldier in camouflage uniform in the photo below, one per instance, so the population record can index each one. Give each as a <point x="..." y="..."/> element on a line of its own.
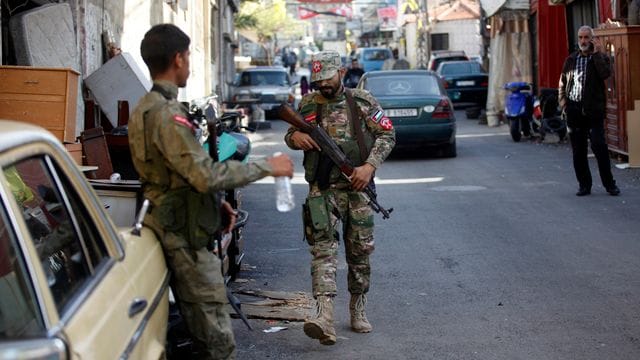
<point x="182" y="182"/>
<point x="354" y="120"/>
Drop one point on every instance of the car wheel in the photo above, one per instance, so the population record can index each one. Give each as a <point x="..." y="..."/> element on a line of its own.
<point x="450" y="150"/>
<point x="515" y="129"/>
<point x="526" y="126"/>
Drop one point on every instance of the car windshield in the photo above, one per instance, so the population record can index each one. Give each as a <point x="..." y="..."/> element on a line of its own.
<point x="376" y="55"/>
<point x="278" y="78"/>
<point x="402" y="85"/>
<point x="468" y="67"/>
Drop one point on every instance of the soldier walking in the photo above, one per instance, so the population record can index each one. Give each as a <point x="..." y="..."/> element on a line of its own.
<point x="355" y="121"/>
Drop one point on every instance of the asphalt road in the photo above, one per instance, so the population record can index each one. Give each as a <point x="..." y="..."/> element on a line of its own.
<point x="489" y="255"/>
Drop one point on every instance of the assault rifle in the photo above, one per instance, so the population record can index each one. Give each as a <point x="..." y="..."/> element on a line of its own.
<point x="330" y="149"/>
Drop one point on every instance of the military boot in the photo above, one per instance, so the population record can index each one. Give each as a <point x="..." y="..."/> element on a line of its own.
<point x="321" y="325"/>
<point x="359" y="322"/>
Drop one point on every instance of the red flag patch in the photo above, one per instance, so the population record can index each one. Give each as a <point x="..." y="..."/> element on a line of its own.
<point x="316" y="66"/>
<point x="310" y="118"/>
<point x="183" y="121"/>
<point x="386" y="123"/>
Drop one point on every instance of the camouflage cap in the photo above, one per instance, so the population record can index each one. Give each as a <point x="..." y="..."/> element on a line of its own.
<point x="324" y="65"/>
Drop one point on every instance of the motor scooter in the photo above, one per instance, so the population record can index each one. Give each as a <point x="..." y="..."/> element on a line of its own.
<point x="548" y="116"/>
<point x="519" y="109"/>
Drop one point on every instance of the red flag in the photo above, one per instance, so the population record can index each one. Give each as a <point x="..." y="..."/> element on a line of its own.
<point x="304" y="13"/>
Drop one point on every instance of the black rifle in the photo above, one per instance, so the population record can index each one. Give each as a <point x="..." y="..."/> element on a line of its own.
<point x="213" y="152"/>
<point x="331" y="149"/>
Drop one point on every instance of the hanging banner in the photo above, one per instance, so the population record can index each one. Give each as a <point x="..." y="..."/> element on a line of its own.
<point x="325" y="1"/>
<point x="304" y="13"/>
<point x="387" y="18"/>
<point x="341" y="11"/>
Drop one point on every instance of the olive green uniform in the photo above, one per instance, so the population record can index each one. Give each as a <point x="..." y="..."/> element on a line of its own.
<point x="181" y="181"/>
<point x="324" y="208"/>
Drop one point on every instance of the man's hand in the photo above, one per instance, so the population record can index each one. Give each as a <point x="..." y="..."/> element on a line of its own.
<point x="303" y="141"/>
<point x="361" y="176"/>
<point x="281" y="165"/>
<point x="229" y="217"/>
<point x="597" y="45"/>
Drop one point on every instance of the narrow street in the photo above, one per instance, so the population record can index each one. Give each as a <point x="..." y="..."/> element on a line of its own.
<point x="489" y="255"/>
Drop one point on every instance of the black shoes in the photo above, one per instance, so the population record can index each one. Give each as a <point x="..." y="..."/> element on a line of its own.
<point x="584" y="191"/>
<point x="613" y="190"/>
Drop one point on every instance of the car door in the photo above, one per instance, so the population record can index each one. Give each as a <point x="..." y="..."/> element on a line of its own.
<point x="91" y="295"/>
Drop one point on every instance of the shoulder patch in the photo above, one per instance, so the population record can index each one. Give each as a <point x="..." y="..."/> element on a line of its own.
<point x="386" y="123"/>
<point x="377" y="115"/>
<point x="183" y="121"/>
<point x="310" y="117"/>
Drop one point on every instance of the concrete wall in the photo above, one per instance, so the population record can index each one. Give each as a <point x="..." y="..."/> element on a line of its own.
<point x="126" y="22"/>
<point x="463" y="35"/>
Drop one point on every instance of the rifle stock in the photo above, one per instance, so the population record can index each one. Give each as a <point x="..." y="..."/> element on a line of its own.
<point x="331" y="149"/>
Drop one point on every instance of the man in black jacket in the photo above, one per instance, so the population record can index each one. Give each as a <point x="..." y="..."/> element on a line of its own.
<point x="582" y="95"/>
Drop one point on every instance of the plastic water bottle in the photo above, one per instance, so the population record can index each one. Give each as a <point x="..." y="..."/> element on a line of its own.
<point x="284" y="194"/>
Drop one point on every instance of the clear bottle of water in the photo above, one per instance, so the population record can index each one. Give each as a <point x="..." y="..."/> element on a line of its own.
<point x="284" y="194"/>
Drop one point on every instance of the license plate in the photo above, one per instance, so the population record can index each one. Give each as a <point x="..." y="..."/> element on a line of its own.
<point x="401" y="112"/>
<point x="465" y="83"/>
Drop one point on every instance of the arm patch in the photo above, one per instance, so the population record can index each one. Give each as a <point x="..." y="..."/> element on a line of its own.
<point x="183" y="121"/>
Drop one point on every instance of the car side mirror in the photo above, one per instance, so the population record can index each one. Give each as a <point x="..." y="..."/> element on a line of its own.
<point x="295" y="83"/>
<point x="34" y="349"/>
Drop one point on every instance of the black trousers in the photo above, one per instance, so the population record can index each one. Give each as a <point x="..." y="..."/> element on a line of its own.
<point x="585" y="128"/>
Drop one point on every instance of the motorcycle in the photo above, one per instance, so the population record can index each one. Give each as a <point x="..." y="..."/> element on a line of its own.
<point x="519" y="109"/>
<point x="224" y="129"/>
<point x="548" y="116"/>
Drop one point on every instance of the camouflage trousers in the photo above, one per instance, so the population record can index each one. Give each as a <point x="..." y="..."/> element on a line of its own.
<point x="323" y="212"/>
<point x="200" y="291"/>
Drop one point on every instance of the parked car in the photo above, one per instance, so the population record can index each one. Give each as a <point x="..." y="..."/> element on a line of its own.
<point x="439" y="56"/>
<point x="418" y="106"/>
<point x="268" y="86"/>
<point x="465" y="81"/>
<point x="72" y="285"/>
<point x="371" y="59"/>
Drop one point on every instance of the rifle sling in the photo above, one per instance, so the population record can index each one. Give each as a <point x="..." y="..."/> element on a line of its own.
<point x="356" y="126"/>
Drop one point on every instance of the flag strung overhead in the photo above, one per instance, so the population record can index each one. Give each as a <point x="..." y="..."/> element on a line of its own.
<point x="325" y="1"/>
<point x="343" y="10"/>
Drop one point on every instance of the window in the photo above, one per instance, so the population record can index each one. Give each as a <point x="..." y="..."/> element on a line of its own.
<point x="278" y="78"/>
<point x="374" y="55"/>
<point x="467" y="67"/>
<point x="66" y="239"/>
<point x="439" y="41"/>
<point x="19" y="315"/>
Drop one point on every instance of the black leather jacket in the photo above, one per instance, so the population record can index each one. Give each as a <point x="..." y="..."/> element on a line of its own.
<point x="594" y="99"/>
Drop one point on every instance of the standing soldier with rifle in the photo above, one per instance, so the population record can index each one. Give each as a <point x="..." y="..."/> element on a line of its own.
<point x="339" y="192"/>
<point x="182" y="182"/>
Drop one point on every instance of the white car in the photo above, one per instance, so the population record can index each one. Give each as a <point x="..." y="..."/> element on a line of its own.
<point x="72" y="284"/>
<point x="266" y="86"/>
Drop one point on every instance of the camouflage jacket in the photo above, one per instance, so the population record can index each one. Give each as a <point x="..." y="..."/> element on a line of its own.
<point x="167" y="156"/>
<point x="335" y="121"/>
